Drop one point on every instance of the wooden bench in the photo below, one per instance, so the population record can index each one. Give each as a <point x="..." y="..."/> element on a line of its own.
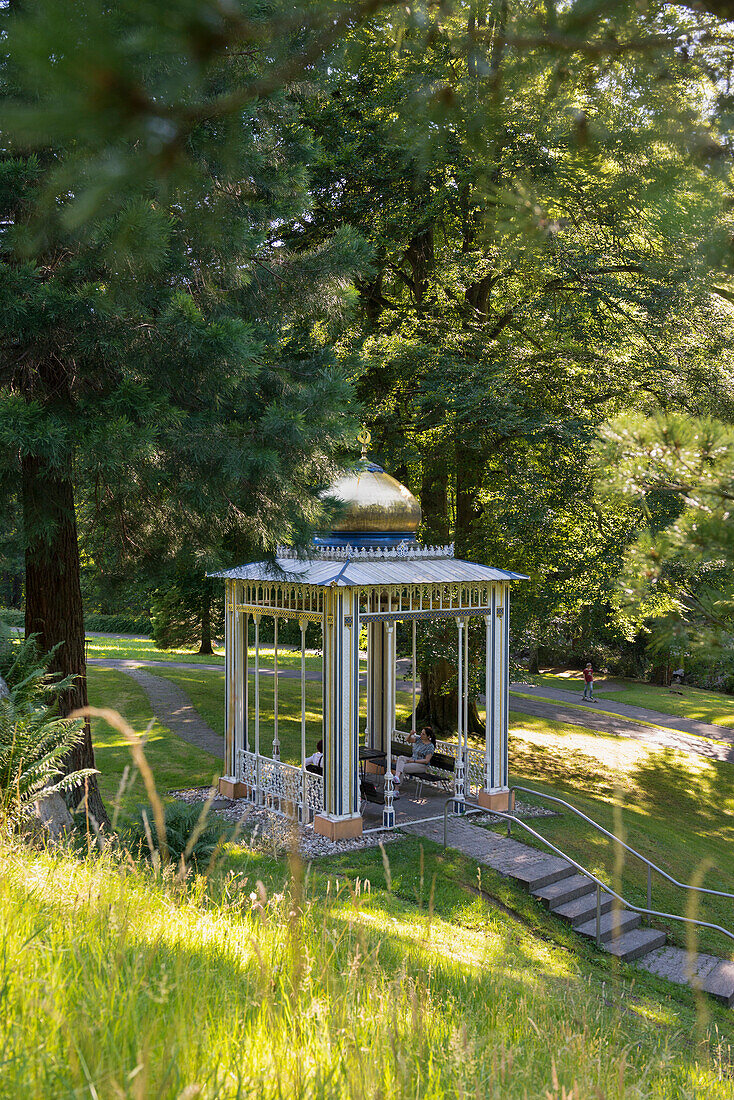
<point x="439" y="772"/>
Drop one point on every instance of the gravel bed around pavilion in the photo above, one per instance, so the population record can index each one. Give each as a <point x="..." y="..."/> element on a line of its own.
<point x="265" y="831"/>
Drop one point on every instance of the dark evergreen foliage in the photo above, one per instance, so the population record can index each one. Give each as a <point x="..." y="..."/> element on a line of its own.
<point x="157" y="386"/>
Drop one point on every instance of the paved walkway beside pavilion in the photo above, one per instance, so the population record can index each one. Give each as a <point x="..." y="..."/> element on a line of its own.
<point x="627" y="710"/>
<point x="620" y="726"/>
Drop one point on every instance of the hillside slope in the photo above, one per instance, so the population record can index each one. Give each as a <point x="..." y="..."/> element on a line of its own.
<point x="117" y="984"/>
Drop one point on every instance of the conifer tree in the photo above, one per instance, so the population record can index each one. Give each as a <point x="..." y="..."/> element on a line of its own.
<point x="154" y="377"/>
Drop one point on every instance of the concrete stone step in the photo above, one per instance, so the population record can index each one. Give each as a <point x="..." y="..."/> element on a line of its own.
<point x="720" y="983"/>
<point x="612" y="925"/>
<point x="583" y="909"/>
<point x="572" y="896"/>
<point x="677" y="965"/>
<point x="566" y="889"/>
<point x="534" y="873"/>
<point x="635" y="943"/>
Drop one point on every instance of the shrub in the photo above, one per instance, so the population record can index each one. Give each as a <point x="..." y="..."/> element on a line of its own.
<point x="33" y="740"/>
<point x="12" y="617"/>
<point x="105" y="624"/>
<point x="182" y="823"/>
<point x="118" y="624"/>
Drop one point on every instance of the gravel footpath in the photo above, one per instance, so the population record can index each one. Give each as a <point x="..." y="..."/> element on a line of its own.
<point x="265" y="831"/>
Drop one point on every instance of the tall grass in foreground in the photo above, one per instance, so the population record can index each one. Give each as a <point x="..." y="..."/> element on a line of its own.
<point x="118" y="982"/>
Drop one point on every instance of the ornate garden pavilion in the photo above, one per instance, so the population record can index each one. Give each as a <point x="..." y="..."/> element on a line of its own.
<point x="369" y="571"/>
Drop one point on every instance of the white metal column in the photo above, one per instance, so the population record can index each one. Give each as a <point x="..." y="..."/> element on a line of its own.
<point x="488" y="738"/>
<point x="388" y="812"/>
<point x="230" y="692"/>
<point x="258" y="795"/>
<point x="497" y="654"/>
<point x="459" y="788"/>
<point x="414" y="671"/>
<point x="341" y="706"/>
<point x="303" y="814"/>
<point x="276" y="739"/>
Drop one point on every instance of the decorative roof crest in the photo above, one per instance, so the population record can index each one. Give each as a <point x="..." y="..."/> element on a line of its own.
<point x="403" y="552"/>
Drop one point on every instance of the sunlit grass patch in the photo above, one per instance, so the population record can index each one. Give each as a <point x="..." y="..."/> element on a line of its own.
<point x="147" y="650"/>
<point x="675" y="808"/>
<point x="589" y="757"/>
<point x="571" y="680"/>
<point x="118" y="983"/>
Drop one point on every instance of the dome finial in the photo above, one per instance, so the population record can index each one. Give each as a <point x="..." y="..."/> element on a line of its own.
<point x="365" y="439"/>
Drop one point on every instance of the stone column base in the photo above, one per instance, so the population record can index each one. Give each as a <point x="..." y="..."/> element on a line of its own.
<point x="500" y="800"/>
<point x="341" y="828"/>
<point x="229" y="787"/>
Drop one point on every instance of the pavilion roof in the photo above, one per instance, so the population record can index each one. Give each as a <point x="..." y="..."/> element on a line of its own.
<point x="365" y="571"/>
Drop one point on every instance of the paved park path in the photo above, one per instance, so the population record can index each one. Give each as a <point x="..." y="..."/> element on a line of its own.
<point x="626" y="710"/>
<point x="624" y="720"/>
<point x="616" y="719"/>
<point x="174" y="710"/>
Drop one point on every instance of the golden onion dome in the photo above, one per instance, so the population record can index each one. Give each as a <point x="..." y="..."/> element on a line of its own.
<point x="377" y="511"/>
<point x="374" y="503"/>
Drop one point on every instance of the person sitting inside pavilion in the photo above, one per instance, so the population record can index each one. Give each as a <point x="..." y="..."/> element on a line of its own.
<point x="424" y="746"/>
<point x="315" y="762"/>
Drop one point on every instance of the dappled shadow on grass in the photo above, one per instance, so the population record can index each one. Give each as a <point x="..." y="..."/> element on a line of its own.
<point x="501" y="950"/>
<point x="566" y="767"/>
<point x="667" y="786"/>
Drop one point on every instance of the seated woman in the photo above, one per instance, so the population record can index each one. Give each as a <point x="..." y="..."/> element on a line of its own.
<point x="315" y="762"/>
<point x="423" y="749"/>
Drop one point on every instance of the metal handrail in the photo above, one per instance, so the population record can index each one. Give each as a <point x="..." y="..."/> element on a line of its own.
<point x="599" y="884"/>
<point x="600" y="828"/>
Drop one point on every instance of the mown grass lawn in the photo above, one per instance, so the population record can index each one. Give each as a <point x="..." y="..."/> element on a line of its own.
<point x="675" y="808"/>
<point x="145" y="649"/>
<point x="206" y="691"/>
<point x="571" y="680"/>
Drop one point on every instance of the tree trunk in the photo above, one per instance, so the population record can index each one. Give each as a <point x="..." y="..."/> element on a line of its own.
<point x="434" y="501"/>
<point x="53" y="602"/>
<point x="439" y="702"/>
<point x="660" y="672"/>
<point x="468" y="531"/>
<point x="206" y="625"/>
<point x="16" y="590"/>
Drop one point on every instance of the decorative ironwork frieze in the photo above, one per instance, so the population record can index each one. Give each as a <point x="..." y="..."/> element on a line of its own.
<point x="403" y="552"/>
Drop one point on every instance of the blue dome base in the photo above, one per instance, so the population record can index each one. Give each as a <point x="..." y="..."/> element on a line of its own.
<point x="364" y="540"/>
